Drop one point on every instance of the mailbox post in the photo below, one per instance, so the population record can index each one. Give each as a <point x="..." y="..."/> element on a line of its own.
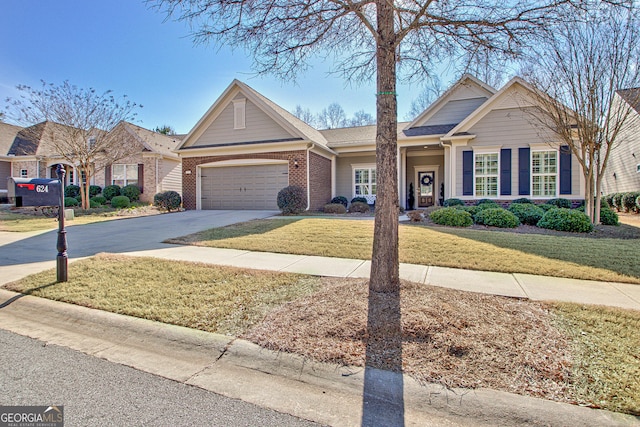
<point x="62" y="258"/>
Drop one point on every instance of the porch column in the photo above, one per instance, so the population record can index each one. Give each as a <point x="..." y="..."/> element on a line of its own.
<point x="403" y="178"/>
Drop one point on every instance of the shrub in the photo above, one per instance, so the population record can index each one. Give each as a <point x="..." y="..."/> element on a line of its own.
<point x="70" y="201"/>
<point x="629" y="201"/>
<point x="563" y="219"/>
<point x="335" y="208"/>
<point x="497" y="217"/>
<point x="473" y="210"/>
<point x="527" y="213"/>
<point x="292" y="200"/>
<point x="607" y="215"/>
<point x="120" y="202"/>
<point x="111" y="191"/>
<point x="99" y="200"/>
<point x="617" y="201"/>
<point x="341" y="200"/>
<point x="486" y="202"/>
<point x="638" y="202"/>
<point x="560" y="203"/>
<point x="452" y="217"/>
<point x="167" y="200"/>
<point x="452" y="202"/>
<point x="546" y="207"/>
<point x="71" y="191"/>
<point x="131" y="191"/>
<point x="359" y="207"/>
<point x="522" y="200"/>
<point x="415" y="216"/>
<point x="93" y="204"/>
<point x="609" y="199"/>
<point x="359" y="200"/>
<point x="94" y="190"/>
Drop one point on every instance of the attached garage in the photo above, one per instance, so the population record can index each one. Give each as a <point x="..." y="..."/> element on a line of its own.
<point x="242" y="187"/>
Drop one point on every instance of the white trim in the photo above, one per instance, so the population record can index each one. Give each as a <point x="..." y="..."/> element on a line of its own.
<point x="557" y="174"/>
<point x="243" y="162"/>
<point x="482" y="152"/>
<point x="371" y="166"/>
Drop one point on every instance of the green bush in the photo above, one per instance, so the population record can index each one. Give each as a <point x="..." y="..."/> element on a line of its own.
<point x="473" y="210"/>
<point x="167" y="200"/>
<point x="527" y="213"/>
<point x="452" y="217"/>
<point x="341" y="200"/>
<point x="617" y="201"/>
<point x="94" y="190"/>
<point x="101" y="200"/>
<point x="335" y="208"/>
<point x="560" y="203"/>
<point x="359" y="199"/>
<point x="563" y="219"/>
<point x="131" y="191"/>
<point x="71" y="191"/>
<point x="607" y="215"/>
<point x="629" y="201"/>
<point x="70" y="201"/>
<point x="546" y="207"/>
<point x="497" y="217"/>
<point x="522" y="200"/>
<point x="609" y="199"/>
<point x="111" y="191"/>
<point x="452" y="202"/>
<point x="486" y="202"/>
<point x="120" y="202"/>
<point x="292" y="200"/>
<point x="638" y="203"/>
<point x="93" y="204"/>
<point x="359" y="207"/>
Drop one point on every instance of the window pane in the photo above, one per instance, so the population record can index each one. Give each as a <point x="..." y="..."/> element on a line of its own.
<point x="117" y="172"/>
<point x="132" y="173"/>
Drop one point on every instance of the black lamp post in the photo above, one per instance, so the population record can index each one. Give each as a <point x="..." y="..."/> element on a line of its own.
<point x="61" y="259"/>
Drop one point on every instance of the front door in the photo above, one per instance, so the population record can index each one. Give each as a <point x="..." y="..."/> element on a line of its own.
<point x="425" y="188"/>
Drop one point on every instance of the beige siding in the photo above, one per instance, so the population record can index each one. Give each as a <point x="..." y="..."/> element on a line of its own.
<point x="259" y="127"/>
<point x="454" y="112"/>
<point x="624" y="160"/>
<point x="171" y="176"/>
<point x="344" y="172"/>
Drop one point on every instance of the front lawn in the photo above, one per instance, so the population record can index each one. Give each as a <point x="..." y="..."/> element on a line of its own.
<point x="563" y="352"/>
<point x="576" y="257"/>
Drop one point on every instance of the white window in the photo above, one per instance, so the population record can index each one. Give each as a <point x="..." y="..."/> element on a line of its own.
<point x="364" y="182"/>
<point x="239" y="109"/>
<point x="486" y="174"/>
<point x="544" y="173"/>
<point x="638" y="168"/>
<point x="24" y="173"/>
<point x="124" y="175"/>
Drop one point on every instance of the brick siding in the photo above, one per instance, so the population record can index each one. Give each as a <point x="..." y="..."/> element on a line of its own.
<point x="320" y="178"/>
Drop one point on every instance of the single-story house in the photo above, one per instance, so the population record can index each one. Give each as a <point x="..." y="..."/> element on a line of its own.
<point x="474" y="142"/>
<point x="29" y="153"/>
<point x="623" y="168"/>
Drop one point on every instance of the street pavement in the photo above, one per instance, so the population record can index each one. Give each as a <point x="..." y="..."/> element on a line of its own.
<point x="328" y="394"/>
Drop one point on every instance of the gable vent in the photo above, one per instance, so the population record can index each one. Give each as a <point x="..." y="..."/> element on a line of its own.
<point x="239" y="108"/>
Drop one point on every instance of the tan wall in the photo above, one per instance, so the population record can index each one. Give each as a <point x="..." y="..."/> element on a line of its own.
<point x="344" y="172"/>
<point x="170" y="176"/>
<point x="30" y="166"/>
<point x="624" y="160"/>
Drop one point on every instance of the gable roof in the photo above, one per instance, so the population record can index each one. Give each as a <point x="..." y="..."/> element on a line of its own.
<point x="35" y="140"/>
<point x="631" y="96"/>
<point x="153" y="141"/>
<point x="296" y="127"/>
<point x="8" y="134"/>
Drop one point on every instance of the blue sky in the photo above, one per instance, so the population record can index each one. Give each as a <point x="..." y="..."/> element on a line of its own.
<point x="124" y="46"/>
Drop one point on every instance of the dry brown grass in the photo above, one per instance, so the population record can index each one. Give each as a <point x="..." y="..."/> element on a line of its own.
<point x="456" y="338"/>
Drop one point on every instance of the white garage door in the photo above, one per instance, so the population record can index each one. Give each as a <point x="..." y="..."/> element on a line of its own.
<point x="243" y="187"/>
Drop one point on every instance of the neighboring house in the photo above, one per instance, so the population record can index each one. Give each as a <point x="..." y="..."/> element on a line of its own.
<point x="29" y="153"/>
<point x="472" y="143"/>
<point x="623" y="168"/>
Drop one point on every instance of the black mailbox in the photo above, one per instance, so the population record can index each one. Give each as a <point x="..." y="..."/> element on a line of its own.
<point x="34" y="192"/>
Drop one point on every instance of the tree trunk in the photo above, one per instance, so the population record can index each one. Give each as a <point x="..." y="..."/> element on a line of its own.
<point x="385" y="275"/>
<point x="84" y="188"/>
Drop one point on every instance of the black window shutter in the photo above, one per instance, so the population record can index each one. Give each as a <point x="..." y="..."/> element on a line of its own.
<point x="467" y="173"/>
<point x="524" y="168"/>
<point x="141" y="177"/>
<point x="107" y="175"/>
<point x="565" y="170"/>
<point x="505" y="172"/>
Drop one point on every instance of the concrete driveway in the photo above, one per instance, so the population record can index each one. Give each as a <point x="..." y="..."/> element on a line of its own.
<point x="22" y="256"/>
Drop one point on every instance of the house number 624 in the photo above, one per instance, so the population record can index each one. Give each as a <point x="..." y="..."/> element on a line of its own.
<point x="42" y="188"/>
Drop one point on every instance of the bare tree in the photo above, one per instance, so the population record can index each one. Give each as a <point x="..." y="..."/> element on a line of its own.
<point x="362" y="118"/>
<point x="367" y="38"/>
<point x="165" y="130"/>
<point x="332" y="117"/>
<point x="305" y="115"/>
<point x="578" y="69"/>
<point x="82" y="122"/>
<point x="424" y="99"/>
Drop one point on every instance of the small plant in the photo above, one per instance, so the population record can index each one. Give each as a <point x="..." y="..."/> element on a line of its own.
<point x="292" y="200"/>
<point x="93" y="204"/>
<point x="617" y="201"/>
<point x="547" y="207"/>
<point x="415" y="216"/>
<point x="341" y="200"/>
<point x="101" y="200"/>
<point x="70" y="201"/>
<point x="359" y="207"/>
<point x="527" y="213"/>
<point x="486" y="202"/>
<point x="131" y="191"/>
<point x="638" y="203"/>
<point x="335" y="208"/>
<point x="629" y="201"/>
<point x="451" y="217"/>
<point x="497" y="217"/>
<point x="71" y="191"/>
<point x="522" y="200"/>
<point x="452" y="202"/>
<point x="563" y="219"/>
<point x="560" y="203"/>
<point x="120" y="202"/>
<point x="473" y="210"/>
<point x="94" y="190"/>
<point x="111" y="191"/>
<point x="359" y="199"/>
<point x="609" y="199"/>
<point x="167" y="200"/>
